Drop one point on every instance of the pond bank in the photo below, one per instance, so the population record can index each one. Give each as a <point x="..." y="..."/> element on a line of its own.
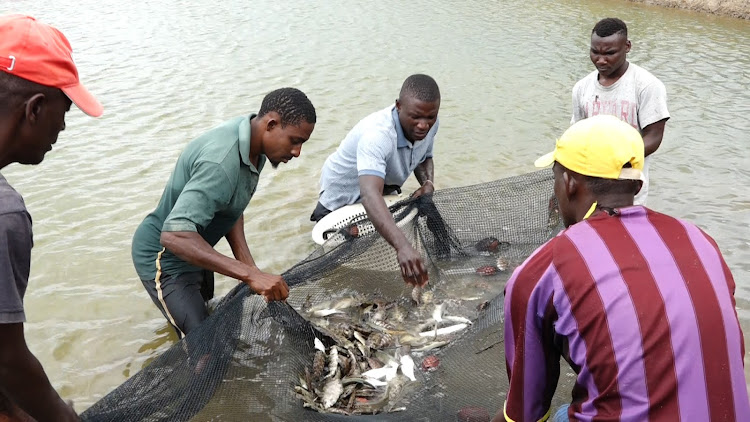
<point x="733" y="8"/>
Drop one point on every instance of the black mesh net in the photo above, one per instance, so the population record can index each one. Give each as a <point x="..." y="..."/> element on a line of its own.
<point x="252" y="361"/>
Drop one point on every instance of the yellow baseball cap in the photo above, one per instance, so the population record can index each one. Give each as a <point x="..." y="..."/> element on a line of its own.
<point x="599" y="147"/>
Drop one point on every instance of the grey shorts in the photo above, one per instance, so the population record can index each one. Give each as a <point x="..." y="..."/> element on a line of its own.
<point x="319" y="212"/>
<point x="182" y="298"/>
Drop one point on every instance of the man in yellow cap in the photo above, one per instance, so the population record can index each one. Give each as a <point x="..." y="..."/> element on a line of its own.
<point x="640" y="304"/>
<point x="38" y="83"/>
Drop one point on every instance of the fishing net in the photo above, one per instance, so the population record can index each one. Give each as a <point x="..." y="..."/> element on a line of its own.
<point x="252" y="361"/>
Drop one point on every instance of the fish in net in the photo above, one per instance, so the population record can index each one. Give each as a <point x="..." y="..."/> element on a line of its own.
<point x="302" y="361"/>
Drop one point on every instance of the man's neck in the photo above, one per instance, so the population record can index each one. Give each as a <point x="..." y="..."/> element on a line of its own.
<point x="605" y="203"/>
<point x="256" y="144"/>
<point x="7" y="136"/>
<point x="6" y="156"/>
<point x="615" y="76"/>
<point x="4" y="160"/>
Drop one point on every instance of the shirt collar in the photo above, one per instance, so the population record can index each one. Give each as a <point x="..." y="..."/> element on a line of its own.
<point x="244" y="137"/>
<point x="401" y="140"/>
<point x="627" y="211"/>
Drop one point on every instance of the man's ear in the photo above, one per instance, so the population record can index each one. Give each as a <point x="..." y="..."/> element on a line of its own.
<point x="570" y="183"/>
<point x="628" y="45"/>
<point x="271" y="123"/>
<point x="34" y="106"/>
<point x="273" y="119"/>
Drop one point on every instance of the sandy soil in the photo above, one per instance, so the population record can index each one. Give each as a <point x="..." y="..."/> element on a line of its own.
<point x="734" y="8"/>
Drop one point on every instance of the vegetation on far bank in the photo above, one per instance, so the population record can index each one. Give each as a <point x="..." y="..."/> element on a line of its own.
<point x="734" y="8"/>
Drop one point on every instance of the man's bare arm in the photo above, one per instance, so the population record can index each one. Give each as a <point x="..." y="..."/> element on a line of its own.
<point x="412" y="268"/>
<point x="24" y="380"/>
<point x="652" y="136"/>
<point x="425" y="171"/>
<point x="238" y="242"/>
<point x="425" y="175"/>
<point x="193" y="249"/>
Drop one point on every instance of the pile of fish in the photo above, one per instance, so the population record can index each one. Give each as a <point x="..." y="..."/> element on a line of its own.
<point x="369" y="367"/>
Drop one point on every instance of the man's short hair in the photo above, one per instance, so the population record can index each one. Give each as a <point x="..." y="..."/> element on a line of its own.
<point x="14" y="90"/>
<point x="420" y="87"/>
<point x="610" y="26"/>
<point x="599" y="186"/>
<point x="292" y="105"/>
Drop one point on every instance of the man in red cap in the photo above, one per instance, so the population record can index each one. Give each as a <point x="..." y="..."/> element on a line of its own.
<point x="38" y="83"/>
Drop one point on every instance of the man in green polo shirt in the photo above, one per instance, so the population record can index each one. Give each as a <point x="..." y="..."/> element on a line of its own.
<point x="212" y="183"/>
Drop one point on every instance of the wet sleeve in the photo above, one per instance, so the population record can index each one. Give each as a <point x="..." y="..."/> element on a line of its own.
<point x="652" y="103"/>
<point x="208" y="191"/>
<point x="373" y="151"/>
<point x="529" y="351"/>
<point x="15" y="259"/>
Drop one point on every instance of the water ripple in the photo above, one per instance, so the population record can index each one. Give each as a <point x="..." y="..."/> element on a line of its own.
<point x="168" y="70"/>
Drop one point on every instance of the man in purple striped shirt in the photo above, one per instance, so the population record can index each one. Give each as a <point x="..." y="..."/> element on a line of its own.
<point x="640" y="304"/>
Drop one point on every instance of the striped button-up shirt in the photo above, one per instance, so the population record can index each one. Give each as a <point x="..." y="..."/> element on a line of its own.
<point x="642" y="307"/>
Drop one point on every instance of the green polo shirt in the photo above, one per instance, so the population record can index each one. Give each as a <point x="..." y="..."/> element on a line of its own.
<point x="208" y="191"/>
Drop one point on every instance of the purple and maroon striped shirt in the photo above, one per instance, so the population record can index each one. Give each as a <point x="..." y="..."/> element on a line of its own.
<point x="642" y="307"/>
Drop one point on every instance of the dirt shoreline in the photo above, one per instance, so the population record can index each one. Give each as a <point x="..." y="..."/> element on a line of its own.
<point x="734" y="8"/>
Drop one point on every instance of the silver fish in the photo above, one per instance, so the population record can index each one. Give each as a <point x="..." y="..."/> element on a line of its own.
<point x="321" y="313"/>
<point x="396" y="390"/>
<point x="354" y="369"/>
<point x="319" y="345"/>
<point x="407" y="367"/>
<point x="443" y="331"/>
<point x="457" y="319"/>
<point x="358" y="380"/>
<point x="430" y="346"/>
<point x="333" y="361"/>
<point x="332" y="391"/>
<point x="331" y="307"/>
<point x="411" y="340"/>
<point x="387" y="372"/>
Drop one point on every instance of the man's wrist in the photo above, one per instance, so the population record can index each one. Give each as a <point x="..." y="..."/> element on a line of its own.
<point x="402" y="244"/>
<point x="428" y="181"/>
<point x="250" y="272"/>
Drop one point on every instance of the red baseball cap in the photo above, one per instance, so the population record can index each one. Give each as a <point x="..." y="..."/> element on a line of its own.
<point x="40" y="53"/>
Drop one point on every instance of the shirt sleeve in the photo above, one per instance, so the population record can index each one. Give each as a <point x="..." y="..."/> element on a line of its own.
<point x="373" y="151"/>
<point x="652" y="103"/>
<point x="15" y="260"/>
<point x="531" y="358"/>
<point x="206" y="192"/>
<point x="578" y="112"/>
